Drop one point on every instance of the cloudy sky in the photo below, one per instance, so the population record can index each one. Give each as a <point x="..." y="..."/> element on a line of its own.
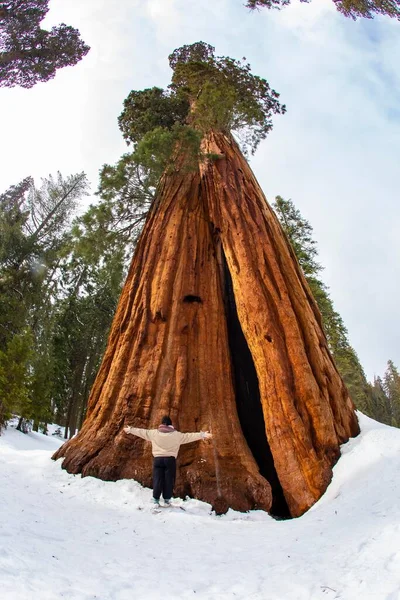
<point x="336" y="152"/>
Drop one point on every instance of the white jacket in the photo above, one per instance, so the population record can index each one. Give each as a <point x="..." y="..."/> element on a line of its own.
<point x="165" y="444"/>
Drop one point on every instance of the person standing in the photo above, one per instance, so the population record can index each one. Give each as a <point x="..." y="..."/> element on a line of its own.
<point x="165" y="442"/>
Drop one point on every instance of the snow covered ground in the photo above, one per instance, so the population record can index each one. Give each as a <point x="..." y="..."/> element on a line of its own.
<point x="62" y="536"/>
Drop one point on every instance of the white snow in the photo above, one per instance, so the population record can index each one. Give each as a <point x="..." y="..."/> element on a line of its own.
<point x="62" y="536"/>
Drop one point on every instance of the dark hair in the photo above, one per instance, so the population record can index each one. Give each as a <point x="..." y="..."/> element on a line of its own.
<point x="166" y="420"/>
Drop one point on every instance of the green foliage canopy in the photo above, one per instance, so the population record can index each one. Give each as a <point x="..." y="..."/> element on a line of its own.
<point x="391" y="386"/>
<point x="15" y="376"/>
<point x="148" y="109"/>
<point x="206" y="92"/>
<point x="349" y="8"/>
<point x="34" y="229"/>
<point x="30" y="54"/>
<point x="223" y="93"/>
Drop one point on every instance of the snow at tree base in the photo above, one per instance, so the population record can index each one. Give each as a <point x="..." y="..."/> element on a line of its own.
<point x="62" y="536"/>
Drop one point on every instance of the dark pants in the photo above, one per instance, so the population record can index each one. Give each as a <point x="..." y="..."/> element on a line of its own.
<point x="164" y="469"/>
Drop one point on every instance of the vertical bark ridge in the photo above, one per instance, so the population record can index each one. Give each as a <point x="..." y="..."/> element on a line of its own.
<point x="172" y="356"/>
<point x="247" y="395"/>
<point x="303" y="436"/>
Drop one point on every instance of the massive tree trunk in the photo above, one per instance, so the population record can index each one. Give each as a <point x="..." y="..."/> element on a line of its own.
<point x="217" y="327"/>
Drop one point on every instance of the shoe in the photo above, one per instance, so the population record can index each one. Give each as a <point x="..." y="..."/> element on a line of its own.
<point x="167" y="502"/>
<point x="155" y="501"/>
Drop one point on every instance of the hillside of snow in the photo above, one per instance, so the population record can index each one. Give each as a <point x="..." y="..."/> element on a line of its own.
<point x="62" y="536"/>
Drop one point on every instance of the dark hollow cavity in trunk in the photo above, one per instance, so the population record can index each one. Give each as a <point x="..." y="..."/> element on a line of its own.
<point x="190" y="298"/>
<point x="248" y="402"/>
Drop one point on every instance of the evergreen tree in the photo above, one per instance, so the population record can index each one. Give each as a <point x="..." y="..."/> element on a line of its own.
<point x="33" y="229"/>
<point x="380" y="404"/>
<point x="80" y="331"/>
<point x="34" y="225"/>
<point x="15" y="377"/>
<point x="391" y="386"/>
<point x="92" y="268"/>
<point x="200" y="270"/>
<point x="299" y="232"/>
<point x="30" y="54"/>
<point x="349" y="8"/>
<point x="126" y="192"/>
<point x="14" y="246"/>
<point x="206" y="92"/>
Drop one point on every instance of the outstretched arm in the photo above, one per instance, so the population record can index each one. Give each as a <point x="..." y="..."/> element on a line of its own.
<point x="194" y="437"/>
<point x="142" y="433"/>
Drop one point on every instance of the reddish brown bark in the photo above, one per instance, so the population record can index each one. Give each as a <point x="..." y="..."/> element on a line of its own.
<point x="215" y="303"/>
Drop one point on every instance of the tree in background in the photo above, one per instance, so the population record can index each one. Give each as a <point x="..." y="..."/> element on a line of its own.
<point x="15" y="377"/>
<point x="60" y="282"/>
<point x="93" y="266"/>
<point x="30" y="54"/>
<point x="34" y="228"/>
<point x="16" y="289"/>
<point x="391" y="386"/>
<point x="380" y="403"/>
<point x="14" y="281"/>
<point x="126" y="193"/>
<point x="349" y="8"/>
<point x="299" y="232"/>
<point x="92" y="284"/>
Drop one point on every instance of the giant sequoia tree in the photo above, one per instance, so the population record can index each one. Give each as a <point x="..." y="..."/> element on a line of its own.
<point x="216" y="324"/>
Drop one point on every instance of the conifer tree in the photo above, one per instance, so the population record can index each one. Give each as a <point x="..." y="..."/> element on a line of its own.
<point x="28" y="53"/>
<point x="349" y="8"/>
<point x="391" y="385"/>
<point x="92" y="284"/>
<point x="206" y="92"/>
<point x="215" y="323"/>
<point x="34" y="223"/>
<point x="15" y="376"/>
<point x="380" y="404"/>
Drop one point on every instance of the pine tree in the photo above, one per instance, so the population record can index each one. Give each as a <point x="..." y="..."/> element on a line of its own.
<point x="126" y="191"/>
<point x="15" y="377"/>
<point x="391" y="385"/>
<point x="380" y="403"/>
<point x="349" y="8"/>
<point x="28" y="53"/>
<point x="34" y="225"/>
<point x="82" y="322"/>
<point x="15" y="281"/>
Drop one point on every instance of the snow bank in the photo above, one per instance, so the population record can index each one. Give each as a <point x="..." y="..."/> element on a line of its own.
<point x="62" y="536"/>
